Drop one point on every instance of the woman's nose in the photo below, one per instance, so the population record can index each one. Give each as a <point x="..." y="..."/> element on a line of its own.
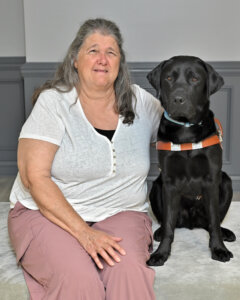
<point x="102" y="59"/>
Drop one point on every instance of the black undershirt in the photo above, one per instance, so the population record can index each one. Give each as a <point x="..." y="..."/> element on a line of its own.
<point x="108" y="133"/>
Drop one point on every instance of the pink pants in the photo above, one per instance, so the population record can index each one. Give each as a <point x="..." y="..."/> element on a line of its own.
<point x="55" y="265"/>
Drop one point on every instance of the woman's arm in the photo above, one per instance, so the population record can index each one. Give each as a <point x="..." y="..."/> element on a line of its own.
<point x="35" y="159"/>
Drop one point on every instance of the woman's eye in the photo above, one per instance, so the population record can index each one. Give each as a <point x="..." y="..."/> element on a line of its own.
<point x="111" y="53"/>
<point x="93" y="51"/>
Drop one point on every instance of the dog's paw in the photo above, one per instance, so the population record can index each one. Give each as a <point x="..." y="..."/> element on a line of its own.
<point x="158" y="235"/>
<point x="228" y="235"/>
<point x="222" y="255"/>
<point x="157" y="259"/>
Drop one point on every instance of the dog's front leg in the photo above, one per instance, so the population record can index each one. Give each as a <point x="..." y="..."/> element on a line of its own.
<point x="171" y="203"/>
<point x="218" y="249"/>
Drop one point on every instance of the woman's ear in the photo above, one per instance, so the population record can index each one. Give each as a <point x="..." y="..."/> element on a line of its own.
<point x="75" y="64"/>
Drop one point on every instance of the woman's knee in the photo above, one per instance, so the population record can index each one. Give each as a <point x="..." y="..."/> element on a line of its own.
<point x="129" y="279"/>
<point x="77" y="284"/>
<point x="130" y="266"/>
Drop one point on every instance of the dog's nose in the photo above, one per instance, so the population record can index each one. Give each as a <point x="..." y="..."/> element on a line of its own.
<point x="179" y="100"/>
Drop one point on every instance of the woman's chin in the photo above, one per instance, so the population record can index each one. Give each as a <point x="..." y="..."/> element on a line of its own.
<point x="102" y="84"/>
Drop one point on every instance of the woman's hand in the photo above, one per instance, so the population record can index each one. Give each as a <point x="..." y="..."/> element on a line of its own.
<point x="97" y="242"/>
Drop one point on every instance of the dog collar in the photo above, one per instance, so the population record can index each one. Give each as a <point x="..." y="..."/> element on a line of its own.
<point x="187" y="124"/>
<point x="210" y="141"/>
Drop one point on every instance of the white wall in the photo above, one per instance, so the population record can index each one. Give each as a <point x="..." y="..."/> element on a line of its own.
<point x="152" y="29"/>
<point x="12" y="39"/>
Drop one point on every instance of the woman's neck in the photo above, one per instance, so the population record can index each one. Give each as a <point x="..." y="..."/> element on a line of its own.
<point x="99" y="108"/>
<point x="104" y="98"/>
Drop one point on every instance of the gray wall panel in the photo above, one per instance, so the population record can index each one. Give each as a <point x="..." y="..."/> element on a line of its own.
<point x="12" y="112"/>
<point x="225" y="105"/>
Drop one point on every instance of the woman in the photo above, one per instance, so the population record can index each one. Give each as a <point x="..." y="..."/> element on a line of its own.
<point x="78" y="220"/>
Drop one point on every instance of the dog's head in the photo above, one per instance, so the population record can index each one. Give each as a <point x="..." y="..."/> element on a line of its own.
<point x="184" y="85"/>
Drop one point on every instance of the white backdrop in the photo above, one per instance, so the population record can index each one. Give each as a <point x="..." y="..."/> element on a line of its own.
<point x="153" y="30"/>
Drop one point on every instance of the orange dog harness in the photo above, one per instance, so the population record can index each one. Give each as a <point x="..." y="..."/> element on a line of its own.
<point x="210" y="141"/>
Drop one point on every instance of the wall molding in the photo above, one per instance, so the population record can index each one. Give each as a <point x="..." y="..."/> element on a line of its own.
<point x="12" y="60"/>
<point x="228" y="67"/>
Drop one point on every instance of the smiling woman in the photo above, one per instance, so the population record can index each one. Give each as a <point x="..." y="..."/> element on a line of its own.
<point x="83" y="159"/>
<point x="98" y="62"/>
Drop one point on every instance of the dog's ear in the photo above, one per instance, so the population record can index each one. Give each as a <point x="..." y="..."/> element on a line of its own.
<point x="154" y="78"/>
<point x="215" y="81"/>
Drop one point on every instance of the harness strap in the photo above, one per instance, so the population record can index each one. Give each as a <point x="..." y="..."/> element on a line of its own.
<point x="210" y="141"/>
<point x="220" y="129"/>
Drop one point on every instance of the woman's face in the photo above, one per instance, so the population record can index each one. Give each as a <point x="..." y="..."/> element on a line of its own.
<point x="98" y="61"/>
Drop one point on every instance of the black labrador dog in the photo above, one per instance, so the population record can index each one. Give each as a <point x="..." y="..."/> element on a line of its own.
<point x="192" y="191"/>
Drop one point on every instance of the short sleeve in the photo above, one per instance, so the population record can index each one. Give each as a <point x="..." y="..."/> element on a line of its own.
<point x="45" y="122"/>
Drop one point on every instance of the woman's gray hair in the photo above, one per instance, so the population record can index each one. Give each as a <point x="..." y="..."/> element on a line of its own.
<point x="66" y="76"/>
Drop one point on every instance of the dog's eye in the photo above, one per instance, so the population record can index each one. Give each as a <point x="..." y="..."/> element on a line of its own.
<point x="169" y="78"/>
<point x="194" y="79"/>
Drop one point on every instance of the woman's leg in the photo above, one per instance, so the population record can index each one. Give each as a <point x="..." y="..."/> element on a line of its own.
<point x="55" y="265"/>
<point x="130" y="279"/>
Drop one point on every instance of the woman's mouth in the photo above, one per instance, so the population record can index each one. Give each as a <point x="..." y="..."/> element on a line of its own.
<point x="100" y="71"/>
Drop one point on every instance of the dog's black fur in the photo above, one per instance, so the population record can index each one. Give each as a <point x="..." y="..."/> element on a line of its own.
<point x="191" y="191"/>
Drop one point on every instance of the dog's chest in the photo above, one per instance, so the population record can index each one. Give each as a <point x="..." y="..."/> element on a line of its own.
<point x="184" y="166"/>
